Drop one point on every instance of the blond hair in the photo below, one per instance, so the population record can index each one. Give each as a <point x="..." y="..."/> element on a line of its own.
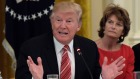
<point x="66" y="6"/>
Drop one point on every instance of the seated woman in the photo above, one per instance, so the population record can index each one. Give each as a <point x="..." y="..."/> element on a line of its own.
<point x="114" y="27"/>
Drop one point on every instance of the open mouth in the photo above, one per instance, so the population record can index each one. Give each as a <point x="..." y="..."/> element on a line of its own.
<point x="63" y="33"/>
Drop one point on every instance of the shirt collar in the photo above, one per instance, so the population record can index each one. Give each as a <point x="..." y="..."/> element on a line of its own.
<point x="59" y="46"/>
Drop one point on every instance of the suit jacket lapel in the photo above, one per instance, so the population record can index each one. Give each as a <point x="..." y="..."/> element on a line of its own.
<point x="51" y="57"/>
<point x="78" y="60"/>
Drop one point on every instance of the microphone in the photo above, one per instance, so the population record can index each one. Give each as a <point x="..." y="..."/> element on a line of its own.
<point x="80" y="53"/>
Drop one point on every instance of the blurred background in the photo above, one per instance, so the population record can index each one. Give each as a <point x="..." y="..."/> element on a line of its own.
<point x="21" y="20"/>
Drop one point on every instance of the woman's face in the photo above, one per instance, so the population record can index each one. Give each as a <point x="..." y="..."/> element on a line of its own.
<point x="113" y="27"/>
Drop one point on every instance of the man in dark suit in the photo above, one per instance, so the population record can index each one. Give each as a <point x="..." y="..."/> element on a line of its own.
<point x="136" y="49"/>
<point x="43" y="55"/>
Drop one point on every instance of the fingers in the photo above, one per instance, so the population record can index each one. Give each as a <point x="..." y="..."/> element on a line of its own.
<point x="105" y="61"/>
<point x="121" y="67"/>
<point x="119" y="73"/>
<point x="118" y="59"/>
<point x="119" y="63"/>
<point x="30" y="59"/>
<point x="39" y="60"/>
<point x="28" y="63"/>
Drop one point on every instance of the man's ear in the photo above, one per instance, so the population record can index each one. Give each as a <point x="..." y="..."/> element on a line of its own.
<point x="79" y="26"/>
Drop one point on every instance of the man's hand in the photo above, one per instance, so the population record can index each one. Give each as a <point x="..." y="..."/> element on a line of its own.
<point x="112" y="70"/>
<point x="36" y="70"/>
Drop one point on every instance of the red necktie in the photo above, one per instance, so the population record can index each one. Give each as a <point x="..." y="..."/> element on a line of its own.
<point x="65" y="72"/>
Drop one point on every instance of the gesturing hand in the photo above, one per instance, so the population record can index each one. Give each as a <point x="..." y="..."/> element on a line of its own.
<point x="36" y="70"/>
<point x="112" y="70"/>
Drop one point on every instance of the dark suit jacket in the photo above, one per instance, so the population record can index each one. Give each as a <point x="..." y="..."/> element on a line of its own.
<point x="43" y="46"/>
<point x="136" y="49"/>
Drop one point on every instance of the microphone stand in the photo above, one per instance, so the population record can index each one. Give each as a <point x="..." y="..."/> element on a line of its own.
<point x="80" y="53"/>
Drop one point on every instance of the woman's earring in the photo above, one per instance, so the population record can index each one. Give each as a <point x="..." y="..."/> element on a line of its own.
<point x="122" y="37"/>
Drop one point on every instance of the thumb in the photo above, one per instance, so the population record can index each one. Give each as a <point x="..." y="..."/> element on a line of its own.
<point x="39" y="60"/>
<point x="105" y="61"/>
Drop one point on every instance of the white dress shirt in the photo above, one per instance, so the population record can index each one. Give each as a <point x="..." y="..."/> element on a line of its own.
<point x="58" y="49"/>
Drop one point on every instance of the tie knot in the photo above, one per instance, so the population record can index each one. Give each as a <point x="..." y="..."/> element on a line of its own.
<point x="66" y="47"/>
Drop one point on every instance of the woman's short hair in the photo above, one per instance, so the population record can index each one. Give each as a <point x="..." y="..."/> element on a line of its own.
<point x="121" y="14"/>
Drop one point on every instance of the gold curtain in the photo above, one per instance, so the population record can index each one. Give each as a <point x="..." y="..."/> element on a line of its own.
<point x="86" y="29"/>
<point x="5" y="59"/>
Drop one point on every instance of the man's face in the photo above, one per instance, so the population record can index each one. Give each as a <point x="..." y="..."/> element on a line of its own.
<point x="65" y="24"/>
